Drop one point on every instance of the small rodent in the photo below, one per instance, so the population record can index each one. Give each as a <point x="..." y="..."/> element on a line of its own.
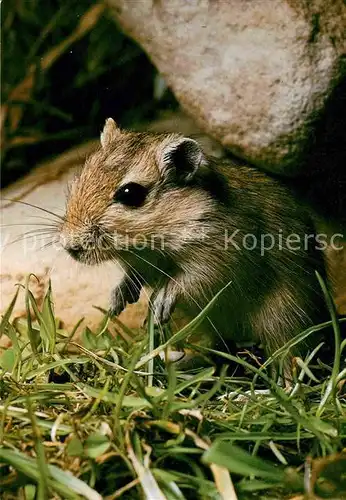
<point x="186" y="225"/>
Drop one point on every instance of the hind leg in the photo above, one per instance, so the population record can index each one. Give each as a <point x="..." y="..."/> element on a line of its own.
<point x="281" y="317"/>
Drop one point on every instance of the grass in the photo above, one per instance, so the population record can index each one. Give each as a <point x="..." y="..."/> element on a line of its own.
<point x="67" y="68"/>
<point x="104" y="417"/>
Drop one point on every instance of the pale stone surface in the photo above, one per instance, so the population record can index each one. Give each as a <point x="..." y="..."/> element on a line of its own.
<point x="254" y="74"/>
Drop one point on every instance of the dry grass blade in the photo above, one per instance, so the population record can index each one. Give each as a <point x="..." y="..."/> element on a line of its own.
<point x="150" y="487"/>
<point x="13" y="113"/>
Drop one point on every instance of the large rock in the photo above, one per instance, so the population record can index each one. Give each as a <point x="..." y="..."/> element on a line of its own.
<point x="254" y="74"/>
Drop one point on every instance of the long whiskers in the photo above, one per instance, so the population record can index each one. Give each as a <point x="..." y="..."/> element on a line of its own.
<point x="40" y="224"/>
<point x="117" y="258"/>
<point x="140" y="281"/>
<point x="150" y="302"/>
<point x="50" y="228"/>
<point x="185" y="291"/>
<point x="28" y="235"/>
<point x="49" y="244"/>
<point x="48" y="219"/>
<point x="60" y="217"/>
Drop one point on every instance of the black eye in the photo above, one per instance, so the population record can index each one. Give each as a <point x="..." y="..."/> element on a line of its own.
<point x="132" y="195"/>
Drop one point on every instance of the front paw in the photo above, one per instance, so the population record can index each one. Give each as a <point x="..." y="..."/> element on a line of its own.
<point x="117" y="302"/>
<point x="125" y="293"/>
<point x="163" y="306"/>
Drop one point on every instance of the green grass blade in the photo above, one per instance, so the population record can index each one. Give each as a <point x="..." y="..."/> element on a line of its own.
<point x="44" y="330"/>
<point x="12" y="335"/>
<point x="41" y="459"/>
<point x="54" y="364"/>
<point x="296" y="340"/>
<point x="205" y="374"/>
<point x="28" y="466"/>
<point x="184" y="332"/>
<point x="238" y="461"/>
<point x="48" y="319"/>
<point x="33" y="334"/>
<point x="6" y="316"/>
<point x="279" y="394"/>
<point x="331" y="386"/>
<point x="151" y="346"/>
<point x="133" y="402"/>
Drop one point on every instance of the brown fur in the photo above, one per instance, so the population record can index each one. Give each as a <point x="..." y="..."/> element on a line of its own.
<point x="271" y="297"/>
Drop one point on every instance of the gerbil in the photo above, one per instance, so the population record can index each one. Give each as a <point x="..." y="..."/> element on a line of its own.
<point x="187" y="224"/>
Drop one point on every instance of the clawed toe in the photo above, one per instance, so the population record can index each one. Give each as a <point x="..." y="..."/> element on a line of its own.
<point x="122" y="295"/>
<point x="117" y="304"/>
<point x="162" y="307"/>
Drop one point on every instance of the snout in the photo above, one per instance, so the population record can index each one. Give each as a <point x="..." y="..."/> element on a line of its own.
<point x="83" y="248"/>
<point x="90" y="246"/>
<point x="72" y="245"/>
<point x="75" y="251"/>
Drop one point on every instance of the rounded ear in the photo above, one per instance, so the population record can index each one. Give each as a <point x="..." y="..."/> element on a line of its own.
<point x="109" y="132"/>
<point x="182" y="157"/>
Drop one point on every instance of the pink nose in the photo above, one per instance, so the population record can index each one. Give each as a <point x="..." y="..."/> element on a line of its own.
<point x="74" y="250"/>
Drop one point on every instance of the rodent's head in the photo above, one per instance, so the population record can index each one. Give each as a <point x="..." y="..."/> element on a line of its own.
<point x="137" y="191"/>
